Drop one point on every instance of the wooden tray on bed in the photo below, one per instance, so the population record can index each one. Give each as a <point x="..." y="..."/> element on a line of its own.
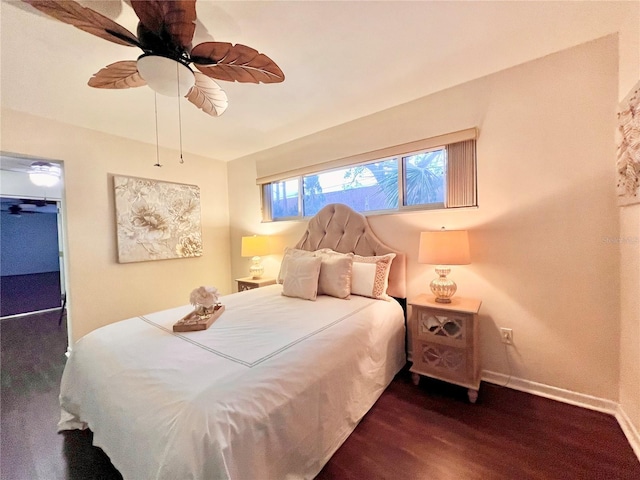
<point x="192" y="323"/>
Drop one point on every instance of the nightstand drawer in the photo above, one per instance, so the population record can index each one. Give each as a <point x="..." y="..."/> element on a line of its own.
<point x="443" y="361"/>
<point x="244" y="286"/>
<point x="448" y="328"/>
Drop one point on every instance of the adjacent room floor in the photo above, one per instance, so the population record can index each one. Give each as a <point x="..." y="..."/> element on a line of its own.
<point x="425" y="432"/>
<point x="29" y="293"/>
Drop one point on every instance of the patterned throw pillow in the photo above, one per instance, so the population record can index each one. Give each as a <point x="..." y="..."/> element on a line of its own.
<point x="301" y="279"/>
<point x="290" y="253"/>
<point x="370" y="277"/>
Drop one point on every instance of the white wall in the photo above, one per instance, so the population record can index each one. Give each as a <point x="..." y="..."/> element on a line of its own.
<point x="102" y="291"/>
<point x="629" y="75"/>
<point x="546" y="205"/>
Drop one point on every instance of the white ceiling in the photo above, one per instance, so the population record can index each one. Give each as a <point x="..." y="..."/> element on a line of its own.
<point x="342" y="60"/>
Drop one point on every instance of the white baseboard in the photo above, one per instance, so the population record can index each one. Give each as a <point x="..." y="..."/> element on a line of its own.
<point x="629" y="430"/>
<point x="573" y="398"/>
<point x="19" y="315"/>
<point x="554" y="393"/>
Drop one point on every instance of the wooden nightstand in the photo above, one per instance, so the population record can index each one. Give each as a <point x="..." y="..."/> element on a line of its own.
<point x="249" y="283"/>
<point x="445" y="341"/>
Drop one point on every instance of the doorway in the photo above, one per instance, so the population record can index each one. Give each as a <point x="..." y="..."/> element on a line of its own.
<point x="31" y="274"/>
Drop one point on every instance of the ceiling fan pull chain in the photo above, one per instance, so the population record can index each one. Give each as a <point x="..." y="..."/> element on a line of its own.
<point x="155" y="100"/>
<point x="179" y="109"/>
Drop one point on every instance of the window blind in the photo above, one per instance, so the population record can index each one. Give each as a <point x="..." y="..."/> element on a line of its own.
<point x="461" y="174"/>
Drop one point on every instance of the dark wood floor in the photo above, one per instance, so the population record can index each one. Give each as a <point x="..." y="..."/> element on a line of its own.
<point x="29" y="293"/>
<point x="426" y="432"/>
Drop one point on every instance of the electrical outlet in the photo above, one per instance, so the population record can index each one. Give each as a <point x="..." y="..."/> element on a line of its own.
<point x="507" y="336"/>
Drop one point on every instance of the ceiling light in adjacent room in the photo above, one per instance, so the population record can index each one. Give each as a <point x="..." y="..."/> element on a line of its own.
<point x="44" y="174"/>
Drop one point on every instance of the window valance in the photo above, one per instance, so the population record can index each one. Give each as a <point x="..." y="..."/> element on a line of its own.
<point x="269" y="171"/>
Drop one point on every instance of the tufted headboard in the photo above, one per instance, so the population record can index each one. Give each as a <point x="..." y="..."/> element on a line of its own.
<point x="344" y="230"/>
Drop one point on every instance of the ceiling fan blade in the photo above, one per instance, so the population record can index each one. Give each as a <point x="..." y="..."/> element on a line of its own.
<point x="86" y="19"/>
<point x="235" y="63"/>
<point x="118" y="75"/>
<point x="176" y="18"/>
<point x="208" y="96"/>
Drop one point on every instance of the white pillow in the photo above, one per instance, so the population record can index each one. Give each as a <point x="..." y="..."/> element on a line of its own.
<point x="370" y="275"/>
<point x="288" y="254"/>
<point x="301" y="279"/>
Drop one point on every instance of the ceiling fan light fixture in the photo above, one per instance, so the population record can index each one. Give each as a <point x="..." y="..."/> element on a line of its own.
<point x="44" y="174"/>
<point x="162" y="73"/>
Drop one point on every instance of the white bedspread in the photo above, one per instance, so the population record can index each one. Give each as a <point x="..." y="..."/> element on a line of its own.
<point x="269" y="391"/>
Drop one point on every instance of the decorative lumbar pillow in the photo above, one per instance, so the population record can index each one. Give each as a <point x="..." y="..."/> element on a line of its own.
<point x="335" y="274"/>
<point x="288" y="254"/>
<point x="301" y="277"/>
<point x="370" y="275"/>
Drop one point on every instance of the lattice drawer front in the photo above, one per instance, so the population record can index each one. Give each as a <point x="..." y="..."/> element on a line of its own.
<point x="441" y="325"/>
<point x="242" y="287"/>
<point x="442" y="357"/>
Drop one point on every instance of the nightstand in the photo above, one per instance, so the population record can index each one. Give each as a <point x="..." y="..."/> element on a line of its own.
<point x="249" y="283"/>
<point x="445" y="341"/>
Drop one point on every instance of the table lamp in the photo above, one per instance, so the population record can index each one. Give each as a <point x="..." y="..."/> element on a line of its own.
<point x="443" y="248"/>
<point x="255" y="246"/>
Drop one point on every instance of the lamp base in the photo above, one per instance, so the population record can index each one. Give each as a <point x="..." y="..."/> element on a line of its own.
<point x="257" y="269"/>
<point x="443" y="300"/>
<point x="442" y="287"/>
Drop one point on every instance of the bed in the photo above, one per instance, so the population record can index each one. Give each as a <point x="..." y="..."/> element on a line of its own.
<point x="270" y="391"/>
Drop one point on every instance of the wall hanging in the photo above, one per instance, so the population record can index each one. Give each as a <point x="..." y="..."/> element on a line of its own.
<point x="156" y="220"/>
<point x="628" y="143"/>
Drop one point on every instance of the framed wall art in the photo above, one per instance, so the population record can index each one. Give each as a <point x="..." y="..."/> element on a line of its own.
<point x="628" y="148"/>
<point x="156" y="220"/>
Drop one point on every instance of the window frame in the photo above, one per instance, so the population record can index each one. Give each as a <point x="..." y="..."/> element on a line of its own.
<point x="422" y="206"/>
<point x="265" y="196"/>
<point x="266" y="205"/>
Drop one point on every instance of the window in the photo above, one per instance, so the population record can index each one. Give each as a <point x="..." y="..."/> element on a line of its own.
<point x="365" y="188"/>
<point x="283" y="198"/>
<point x="438" y="177"/>
<point x="424" y="178"/>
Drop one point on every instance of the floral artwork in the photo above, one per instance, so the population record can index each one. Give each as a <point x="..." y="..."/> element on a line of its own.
<point x="628" y="143"/>
<point x="156" y="220"/>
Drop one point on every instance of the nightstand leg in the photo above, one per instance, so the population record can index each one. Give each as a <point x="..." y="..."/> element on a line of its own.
<point x="473" y="395"/>
<point x="415" y="378"/>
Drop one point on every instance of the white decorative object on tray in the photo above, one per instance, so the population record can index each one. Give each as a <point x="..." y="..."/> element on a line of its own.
<point x="204" y="298"/>
<point x="206" y="302"/>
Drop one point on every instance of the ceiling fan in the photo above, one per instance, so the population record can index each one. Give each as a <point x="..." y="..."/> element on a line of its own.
<point x="22" y="206"/>
<point x="165" y="32"/>
<point x="17" y="210"/>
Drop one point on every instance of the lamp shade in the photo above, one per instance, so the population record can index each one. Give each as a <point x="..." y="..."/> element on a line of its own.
<point x="255" y="246"/>
<point x="444" y="247"/>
